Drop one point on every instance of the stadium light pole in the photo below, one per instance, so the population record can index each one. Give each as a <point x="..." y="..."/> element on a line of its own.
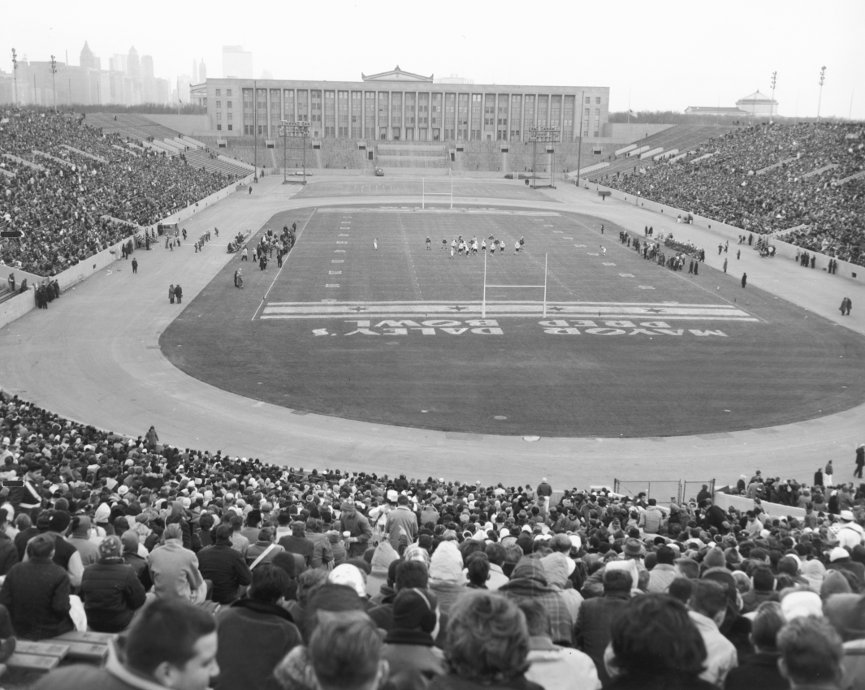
<point x="773" y="83"/>
<point x="580" y="137"/>
<point x="296" y="129"/>
<point x="14" y="77"/>
<point x="255" y="130"/>
<point x="284" y="163"/>
<point x="820" y="95"/>
<point x="54" y="81"/>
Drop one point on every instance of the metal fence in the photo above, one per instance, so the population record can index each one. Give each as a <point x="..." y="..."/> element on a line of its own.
<point x="663" y="491"/>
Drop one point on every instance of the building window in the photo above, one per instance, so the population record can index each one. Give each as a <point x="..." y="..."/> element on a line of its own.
<point x="228" y="92"/>
<point x="218" y="128"/>
<point x="218" y="104"/>
<point x="588" y="100"/>
<point x="218" y="93"/>
<point x="598" y="100"/>
<point x="228" y="104"/>
<point x="229" y="128"/>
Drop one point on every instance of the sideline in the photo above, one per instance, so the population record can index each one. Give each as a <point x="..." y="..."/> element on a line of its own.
<point x="284" y="264"/>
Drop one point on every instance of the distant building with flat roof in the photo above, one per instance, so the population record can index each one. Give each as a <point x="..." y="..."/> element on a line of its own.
<point x="398" y="105"/>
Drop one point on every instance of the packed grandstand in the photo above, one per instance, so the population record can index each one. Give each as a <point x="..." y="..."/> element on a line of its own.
<point x="471" y="585"/>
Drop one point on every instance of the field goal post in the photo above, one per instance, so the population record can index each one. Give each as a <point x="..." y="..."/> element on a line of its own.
<point x="424" y="193"/>
<point x="486" y="285"/>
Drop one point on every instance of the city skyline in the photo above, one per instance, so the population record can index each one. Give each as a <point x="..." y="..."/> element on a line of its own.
<point x="678" y="55"/>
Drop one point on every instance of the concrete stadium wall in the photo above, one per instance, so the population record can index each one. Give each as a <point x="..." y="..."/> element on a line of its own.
<point x="729" y="232"/>
<point x="743" y="503"/>
<point x="15" y="307"/>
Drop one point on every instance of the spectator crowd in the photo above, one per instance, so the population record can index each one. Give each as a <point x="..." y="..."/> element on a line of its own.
<point x="71" y="191"/>
<point x="768" y="178"/>
<point x="233" y="573"/>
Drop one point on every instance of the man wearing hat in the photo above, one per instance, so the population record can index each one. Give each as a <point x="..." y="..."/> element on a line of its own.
<point x="839" y="559"/>
<point x="110" y="589"/>
<point x="409" y="647"/>
<point x="850" y="533"/>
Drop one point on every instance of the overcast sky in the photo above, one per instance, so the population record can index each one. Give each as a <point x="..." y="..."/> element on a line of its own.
<point x="663" y="55"/>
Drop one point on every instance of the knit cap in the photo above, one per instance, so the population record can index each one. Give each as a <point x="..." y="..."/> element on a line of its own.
<point x="415" y="609"/>
<point x="111" y="547"/>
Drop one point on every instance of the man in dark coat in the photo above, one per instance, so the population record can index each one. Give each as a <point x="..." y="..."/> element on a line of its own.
<point x="110" y="589"/>
<point x="358" y="527"/>
<point x="224" y="566"/>
<point x="255" y="633"/>
<point x="36" y="593"/>
<point x="595" y="618"/>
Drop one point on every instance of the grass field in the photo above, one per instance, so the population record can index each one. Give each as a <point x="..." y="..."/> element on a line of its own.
<point x="399" y="334"/>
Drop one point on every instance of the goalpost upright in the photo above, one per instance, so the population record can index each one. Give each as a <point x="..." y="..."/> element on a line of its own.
<point x="424" y="193"/>
<point x="486" y="285"/>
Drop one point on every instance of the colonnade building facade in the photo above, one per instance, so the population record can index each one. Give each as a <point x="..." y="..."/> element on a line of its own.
<point x="402" y="106"/>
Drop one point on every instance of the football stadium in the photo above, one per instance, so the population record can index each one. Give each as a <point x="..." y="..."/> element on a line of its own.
<point x="654" y="338"/>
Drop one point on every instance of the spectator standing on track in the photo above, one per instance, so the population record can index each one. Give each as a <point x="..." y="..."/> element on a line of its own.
<point x="171" y="293"/>
<point x="744" y="277"/>
<point x="860" y="460"/>
<point x="178" y="293"/>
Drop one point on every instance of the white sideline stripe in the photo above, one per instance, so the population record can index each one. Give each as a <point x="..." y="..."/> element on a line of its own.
<point x="593" y="305"/>
<point x="343" y="310"/>
<point x="476" y="314"/>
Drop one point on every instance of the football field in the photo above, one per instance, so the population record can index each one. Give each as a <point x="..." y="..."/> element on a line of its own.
<point x="573" y="335"/>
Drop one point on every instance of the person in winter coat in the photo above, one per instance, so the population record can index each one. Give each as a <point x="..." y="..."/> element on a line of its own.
<point x="256" y="632"/>
<point x="36" y="593"/>
<point x="110" y="589"/>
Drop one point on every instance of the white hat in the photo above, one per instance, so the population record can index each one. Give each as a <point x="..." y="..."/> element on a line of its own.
<point x="838" y="553"/>
<point x="847" y="515"/>
<point x="801" y="604"/>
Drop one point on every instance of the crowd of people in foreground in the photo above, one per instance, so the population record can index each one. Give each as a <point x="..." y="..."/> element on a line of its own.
<point x="241" y="574"/>
<point x="72" y="191"/>
<point x="771" y="177"/>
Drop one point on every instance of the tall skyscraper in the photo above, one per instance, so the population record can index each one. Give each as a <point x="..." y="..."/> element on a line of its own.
<point x="236" y="62"/>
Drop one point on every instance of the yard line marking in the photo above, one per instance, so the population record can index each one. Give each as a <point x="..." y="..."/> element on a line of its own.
<point x="337" y="261"/>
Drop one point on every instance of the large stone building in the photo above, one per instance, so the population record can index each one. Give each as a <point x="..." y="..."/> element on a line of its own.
<point x="402" y="106"/>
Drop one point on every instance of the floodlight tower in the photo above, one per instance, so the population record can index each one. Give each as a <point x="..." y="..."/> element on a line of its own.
<point x="298" y="129"/>
<point x="54" y="80"/>
<point x="543" y="135"/>
<point x="773" y="83"/>
<point x="14" y="77"/>
<point x="820" y="96"/>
